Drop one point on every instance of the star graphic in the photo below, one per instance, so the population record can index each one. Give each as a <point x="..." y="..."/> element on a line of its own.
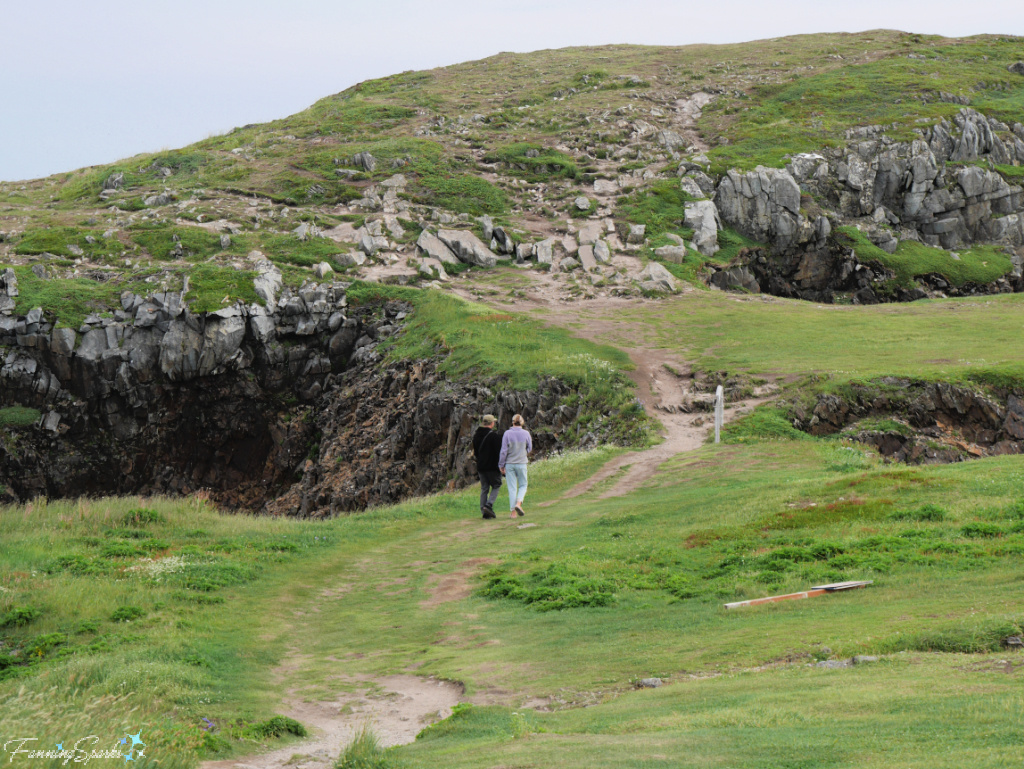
<point x="124" y="741"/>
<point x="128" y="757"/>
<point x="141" y="754"/>
<point x="60" y="746"/>
<point x="135" y="738"/>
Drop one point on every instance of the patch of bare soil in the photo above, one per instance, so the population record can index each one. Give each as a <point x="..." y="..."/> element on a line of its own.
<point x="396" y="708"/>
<point x="454" y="586"/>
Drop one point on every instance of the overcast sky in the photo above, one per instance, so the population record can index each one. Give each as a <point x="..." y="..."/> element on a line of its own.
<point x="84" y="82"/>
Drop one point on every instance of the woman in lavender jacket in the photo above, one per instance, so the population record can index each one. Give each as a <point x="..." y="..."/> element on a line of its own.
<point x="516" y="444"/>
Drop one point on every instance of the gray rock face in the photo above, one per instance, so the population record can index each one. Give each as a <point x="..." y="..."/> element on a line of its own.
<point x="322" y="269"/>
<point x="468" y="247"/>
<point x="602" y="253"/>
<point x="702" y="218"/>
<point x="114" y="182"/>
<point x="268" y="283"/>
<point x="691" y="188"/>
<point x="670" y="140"/>
<point x="605" y="187"/>
<point x="582" y="203"/>
<point x="586" y="257"/>
<point x="1017" y="68"/>
<point x="568" y="264"/>
<point x="737" y="278"/>
<point x="763" y="204"/>
<point x="351" y="259"/>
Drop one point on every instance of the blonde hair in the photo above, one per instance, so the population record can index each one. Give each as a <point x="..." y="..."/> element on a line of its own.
<point x="517" y="420"/>
<point x="488" y="419"/>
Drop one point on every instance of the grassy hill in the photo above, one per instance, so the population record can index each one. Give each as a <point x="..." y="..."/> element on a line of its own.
<point x="201" y="629"/>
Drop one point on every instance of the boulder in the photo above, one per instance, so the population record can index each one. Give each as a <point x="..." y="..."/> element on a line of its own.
<point x="605" y="187"/>
<point x="602" y="253"/>
<point x="736" y="279"/>
<point x="674" y="254"/>
<point x="590" y="233"/>
<point x="568" y="264"/>
<point x="691" y="188"/>
<point x="545" y="251"/>
<point x="322" y="269"/>
<point x="365" y="160"/>
<point x="637" y="233"/>
<point x="429" y="244"/>
<point x="654" y="277"/>
<point x="1017" y="68"/>
<point x="162" y="199"/>
<point x="702" y="218"/>
<point x="468" y="247"/>
<point x="582" y="203"/>
<point x="351" y="259"/>
<point x="670" y="140"/>
<point x="586" y="257"/>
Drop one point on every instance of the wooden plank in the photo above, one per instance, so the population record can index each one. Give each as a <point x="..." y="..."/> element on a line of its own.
<point x="814" y="592"/>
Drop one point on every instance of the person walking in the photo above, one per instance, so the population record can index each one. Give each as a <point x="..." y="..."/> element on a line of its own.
<point x="486" y="448"/>
<point x="516" y="445"/>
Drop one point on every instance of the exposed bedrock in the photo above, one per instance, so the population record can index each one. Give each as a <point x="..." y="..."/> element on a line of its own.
<point x="291" y="411"/>
<point x="920" y="422"/>
<point x="941" y="189"/>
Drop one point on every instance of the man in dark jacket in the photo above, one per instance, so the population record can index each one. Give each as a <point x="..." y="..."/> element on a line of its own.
<point x="486" y="448"/>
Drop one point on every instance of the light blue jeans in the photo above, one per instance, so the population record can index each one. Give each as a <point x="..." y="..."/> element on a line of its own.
<point x="515" y="477"/>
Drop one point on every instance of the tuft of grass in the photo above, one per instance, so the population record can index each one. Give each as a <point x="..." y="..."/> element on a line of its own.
<point x="764" y="423"/>
<point x="365" y="752"/>
<point x="13" y="417"/>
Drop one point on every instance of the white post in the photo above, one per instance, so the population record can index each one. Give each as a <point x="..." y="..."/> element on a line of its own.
<point x="719" y="408"/>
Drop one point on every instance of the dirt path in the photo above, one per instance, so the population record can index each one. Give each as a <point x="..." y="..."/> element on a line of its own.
<point x="663" y="384"/>
<point x="396" y="708"/>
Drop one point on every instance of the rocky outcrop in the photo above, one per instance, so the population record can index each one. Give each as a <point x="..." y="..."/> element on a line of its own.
<point x="158" y="399"/>
<point x="291" y="411"/>
<point x="920" y="422"/>
<point x="929" y="190"/>
<point x="765" y="205"/>
<point x="401" y="430"/>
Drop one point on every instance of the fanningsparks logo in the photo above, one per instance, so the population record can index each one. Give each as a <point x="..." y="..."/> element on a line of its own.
<point x="127" y="748"/>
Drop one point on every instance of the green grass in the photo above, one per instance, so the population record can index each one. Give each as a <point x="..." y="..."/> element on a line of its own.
<point x="56" y="240"/>
<point x="18" y="416"/>
<point x="476" y="342"/>
<point x="661" y="207"/>
<point x="159" y="241"/>
<point x="979" y="265"/>
<point x="811" y="112"/>
<point x="548" y="163"/>
<point x="721" y="524"/>
<point x="212" y="287"/>
<point x="70" y="300"/>
<point x="952" y="339"/>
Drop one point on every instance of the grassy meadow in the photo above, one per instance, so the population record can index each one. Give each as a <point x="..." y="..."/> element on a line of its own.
<point x="156" y="614"/>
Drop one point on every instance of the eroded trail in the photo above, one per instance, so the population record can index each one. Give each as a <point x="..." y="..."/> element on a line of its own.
<point x="663" y="385"/>
<point x="395" y="708"/>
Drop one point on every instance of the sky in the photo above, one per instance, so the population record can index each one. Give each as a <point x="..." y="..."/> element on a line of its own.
<point x="86" y="82"/>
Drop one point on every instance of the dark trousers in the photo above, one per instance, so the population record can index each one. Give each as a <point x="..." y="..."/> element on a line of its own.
<point x="490" y="482"/>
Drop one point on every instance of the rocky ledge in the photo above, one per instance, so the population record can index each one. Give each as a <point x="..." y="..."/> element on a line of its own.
<point x="286" y="408"/>
<point x="920" y="422"/>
